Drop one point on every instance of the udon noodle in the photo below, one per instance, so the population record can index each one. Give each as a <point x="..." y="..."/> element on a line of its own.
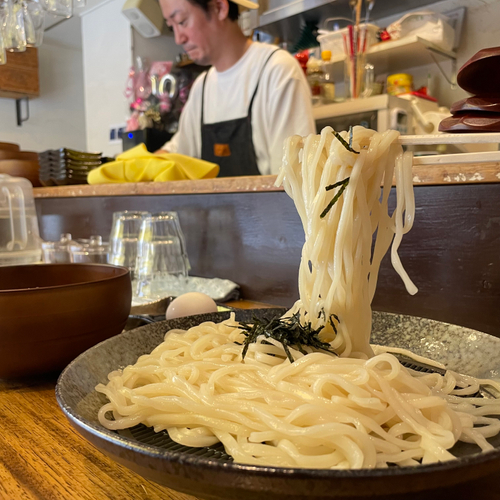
<point x="356" y="409"/>
<point x="338" y="272"/>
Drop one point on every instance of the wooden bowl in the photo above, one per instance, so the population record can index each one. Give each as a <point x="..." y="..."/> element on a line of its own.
<point x="480" y="75"/>
<point x="7" y="154"/>
<point x="21" y="168"/>
<point x="9" y="146"/>
<point x="51" y="313"/>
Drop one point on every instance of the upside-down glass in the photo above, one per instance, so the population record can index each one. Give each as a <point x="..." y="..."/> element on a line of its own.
<point x="124" y="238"/>
<point x="62" y="8"/>
<point x="3" y="53"/>
<point x="162" y="261"/>
<point x="12" y="24"/>
<point x="34" y="16"/>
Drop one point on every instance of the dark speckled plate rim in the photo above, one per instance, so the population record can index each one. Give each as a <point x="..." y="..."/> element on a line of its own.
<point x="186" y="459"/>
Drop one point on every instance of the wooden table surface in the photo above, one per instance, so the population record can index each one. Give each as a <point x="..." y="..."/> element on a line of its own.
<point x="43" y="458"/>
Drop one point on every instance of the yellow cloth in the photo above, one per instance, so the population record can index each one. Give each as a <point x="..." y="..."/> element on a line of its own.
<point x="139" y="165"/>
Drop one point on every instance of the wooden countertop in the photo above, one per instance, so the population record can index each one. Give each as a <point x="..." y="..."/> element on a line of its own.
<point x="43" y="458"/>
<point x="422" y="175"/>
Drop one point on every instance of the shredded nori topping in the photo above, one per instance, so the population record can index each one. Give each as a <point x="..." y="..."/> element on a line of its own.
<point x="288" y="331"/>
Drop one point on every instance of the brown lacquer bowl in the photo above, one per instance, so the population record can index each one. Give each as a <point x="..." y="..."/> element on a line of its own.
<point x="51" y="313"/>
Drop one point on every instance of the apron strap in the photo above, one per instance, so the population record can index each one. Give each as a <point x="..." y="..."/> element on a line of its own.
<point x="203" y="96"/>
<point x="258" y="81"/>
<point x="254" y="92"/>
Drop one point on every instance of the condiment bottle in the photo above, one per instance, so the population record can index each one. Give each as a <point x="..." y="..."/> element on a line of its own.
<point x="328" y="87"/>
<point x="315" y="78"/>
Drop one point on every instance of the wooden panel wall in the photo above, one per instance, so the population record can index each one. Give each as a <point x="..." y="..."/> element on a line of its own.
<point x="255" y="239"/>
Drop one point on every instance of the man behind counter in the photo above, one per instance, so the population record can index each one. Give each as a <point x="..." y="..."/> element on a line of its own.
<point x="253" y="97"/>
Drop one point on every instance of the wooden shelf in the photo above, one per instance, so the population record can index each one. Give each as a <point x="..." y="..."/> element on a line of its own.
<point x="396" y="55"/>
<point x="19" y="77"/>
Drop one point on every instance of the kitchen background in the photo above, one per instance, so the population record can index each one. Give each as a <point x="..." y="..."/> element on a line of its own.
<point x="84" y="63"/>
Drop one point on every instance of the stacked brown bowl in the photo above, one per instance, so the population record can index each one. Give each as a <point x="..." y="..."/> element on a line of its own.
<point x="19" y="163"/>
<point x="480" y="76"/>
<point x="51" y="313"/>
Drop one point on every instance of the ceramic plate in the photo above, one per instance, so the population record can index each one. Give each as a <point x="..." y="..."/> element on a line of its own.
<point x="209" y="473"/>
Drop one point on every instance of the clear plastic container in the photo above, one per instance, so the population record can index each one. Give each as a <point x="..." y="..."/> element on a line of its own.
<point x="20" y="241"/>
<point x="334" y="41"/>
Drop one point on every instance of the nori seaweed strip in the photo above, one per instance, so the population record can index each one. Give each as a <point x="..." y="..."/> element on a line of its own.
<point x="343" y="185"/>
<point x="288" y="331"/>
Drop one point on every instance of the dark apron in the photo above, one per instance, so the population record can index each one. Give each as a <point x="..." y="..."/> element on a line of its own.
<point x="229" y="143"/>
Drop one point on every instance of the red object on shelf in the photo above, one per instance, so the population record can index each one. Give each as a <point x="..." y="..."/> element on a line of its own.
<point x="422" y="92"/>
<point x="383" y="35"/>
<point x="302" y="58"/>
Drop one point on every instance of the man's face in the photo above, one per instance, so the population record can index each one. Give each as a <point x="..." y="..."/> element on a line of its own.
<point x="193" y="28"/>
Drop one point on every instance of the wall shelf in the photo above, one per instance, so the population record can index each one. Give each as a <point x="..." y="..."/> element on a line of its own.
<point x="396" y="55"/>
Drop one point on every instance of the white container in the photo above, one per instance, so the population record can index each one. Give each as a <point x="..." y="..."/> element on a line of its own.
<point x="428" y="25"/>
<point x="333" y="40"/>
<point x="20" y="241"/>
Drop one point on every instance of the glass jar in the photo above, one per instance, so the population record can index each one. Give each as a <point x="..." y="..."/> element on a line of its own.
<point x="315" y="78"/>
<point x="328" y="88"/>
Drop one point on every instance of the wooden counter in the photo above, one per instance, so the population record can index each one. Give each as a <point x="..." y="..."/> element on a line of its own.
<point x="247" y="230"/>
<point x="428" y="175"/>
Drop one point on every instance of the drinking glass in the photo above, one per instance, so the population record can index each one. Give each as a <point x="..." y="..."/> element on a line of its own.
<point x="34" y="16"/>
<point x="124" y="238"/>
<point x="12" y="23"/>
<point x="63" y="8"/>
<point x="92" y="250"/>
<point x="57" y="252"/>
<point x="3" y="52"/>
<point x="162" y="262"/>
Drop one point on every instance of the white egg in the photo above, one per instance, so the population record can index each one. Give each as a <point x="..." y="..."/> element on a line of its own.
<point x="189" y="304"/>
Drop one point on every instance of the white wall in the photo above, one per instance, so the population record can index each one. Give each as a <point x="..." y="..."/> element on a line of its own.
<point x="159" y="48"/>
<point x="107" y="58"/>
<point x="57" y="116"/>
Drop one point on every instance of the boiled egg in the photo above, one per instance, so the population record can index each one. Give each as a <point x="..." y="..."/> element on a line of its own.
<point x="189" y="304"/>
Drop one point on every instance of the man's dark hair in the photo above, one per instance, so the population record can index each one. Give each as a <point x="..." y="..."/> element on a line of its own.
<point x="233" y="14"/>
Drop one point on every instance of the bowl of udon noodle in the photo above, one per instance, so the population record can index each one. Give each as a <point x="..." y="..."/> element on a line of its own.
<point x="323" y="400"/>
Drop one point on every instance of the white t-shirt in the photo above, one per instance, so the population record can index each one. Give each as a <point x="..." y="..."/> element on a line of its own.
<point x="281" y="108"/>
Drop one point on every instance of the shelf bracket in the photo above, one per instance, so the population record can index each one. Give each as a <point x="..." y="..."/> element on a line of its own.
<point x="19" y="115"/>
<point x="453" y="77"/>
